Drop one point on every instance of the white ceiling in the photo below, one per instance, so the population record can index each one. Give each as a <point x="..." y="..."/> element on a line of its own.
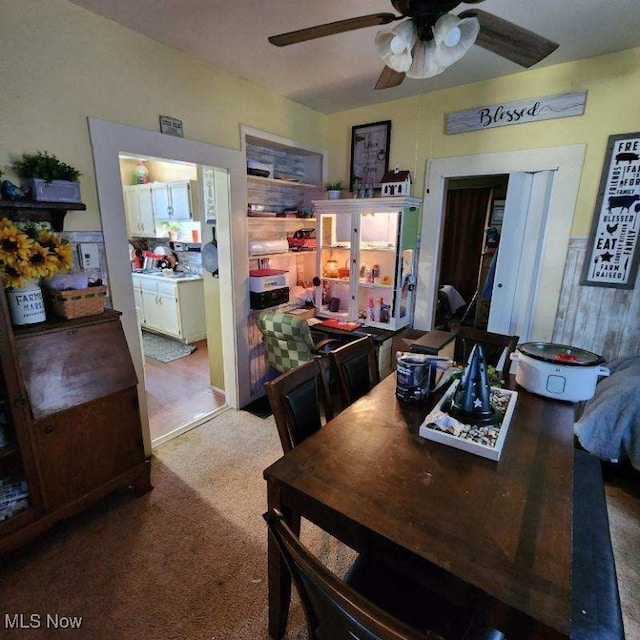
<point x="339" y="72"/>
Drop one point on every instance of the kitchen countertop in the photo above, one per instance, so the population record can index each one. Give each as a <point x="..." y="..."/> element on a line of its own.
<point x="177" y="277"/>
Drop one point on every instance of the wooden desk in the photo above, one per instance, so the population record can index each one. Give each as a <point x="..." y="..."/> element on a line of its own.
<point x="503" y="528"/>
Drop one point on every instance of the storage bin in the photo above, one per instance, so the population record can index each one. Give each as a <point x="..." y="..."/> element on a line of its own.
<point x="77" y="302"/>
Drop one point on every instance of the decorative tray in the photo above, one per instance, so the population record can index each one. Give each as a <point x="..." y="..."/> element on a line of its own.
<point x="482" y="440"/>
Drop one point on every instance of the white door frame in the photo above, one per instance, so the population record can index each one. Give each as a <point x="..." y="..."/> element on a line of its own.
<point x="565" y="161"/>
<point x="108" y="141"/>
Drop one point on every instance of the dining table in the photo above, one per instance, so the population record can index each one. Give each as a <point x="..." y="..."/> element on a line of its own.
<point x="502" y="529"/>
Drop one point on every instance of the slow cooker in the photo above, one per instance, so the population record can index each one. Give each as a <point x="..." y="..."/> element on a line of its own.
<point x="558" y="370"/>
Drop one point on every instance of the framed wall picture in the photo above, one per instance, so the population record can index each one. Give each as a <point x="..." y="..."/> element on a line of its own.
<point x="369" y="153"/>
<point x="612" y="253"/>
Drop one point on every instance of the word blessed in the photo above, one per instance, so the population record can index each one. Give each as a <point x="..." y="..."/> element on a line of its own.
<point x="37" y="621"/>
<point x="561" y="105"/>
<point x="489" y="116"/>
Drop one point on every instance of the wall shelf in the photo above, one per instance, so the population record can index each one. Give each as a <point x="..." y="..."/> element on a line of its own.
<point x="53" y="212"/>
<point x="283" y="182"/>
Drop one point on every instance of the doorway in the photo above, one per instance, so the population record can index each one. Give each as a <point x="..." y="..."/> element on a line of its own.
<point x="565" y="166"/>
<point x="472" y="225"/>
<point x="108" y="141"/>
<point x="178" y="387"/>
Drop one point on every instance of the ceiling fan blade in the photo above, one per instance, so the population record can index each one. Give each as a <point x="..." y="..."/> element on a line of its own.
<point x="508" y="40"/>
<point x="389" y="78"/>
<point x="322" y="30"/>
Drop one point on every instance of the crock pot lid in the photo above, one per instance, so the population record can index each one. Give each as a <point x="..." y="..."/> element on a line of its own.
<point x="560" y="354"/>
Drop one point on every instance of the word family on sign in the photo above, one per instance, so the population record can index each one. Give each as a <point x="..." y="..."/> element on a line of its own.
<point x="612" y="259"/>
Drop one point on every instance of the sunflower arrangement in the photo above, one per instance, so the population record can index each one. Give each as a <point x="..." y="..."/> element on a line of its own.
<point x="31" y="252"/>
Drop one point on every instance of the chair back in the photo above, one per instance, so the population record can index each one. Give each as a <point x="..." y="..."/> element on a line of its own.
<point x="287" y="339"/>
<point x="496" y="347"/>
<point x="355" y="368"/>
<point x="334" y="611"/>
<point x="299" y="400"/>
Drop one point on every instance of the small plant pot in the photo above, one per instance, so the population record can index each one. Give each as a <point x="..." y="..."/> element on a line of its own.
<point x="54" y="191"/>
<point x="334" y="194"/>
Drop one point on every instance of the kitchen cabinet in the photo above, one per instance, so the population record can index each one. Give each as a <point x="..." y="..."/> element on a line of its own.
<point x="367" y="259"/>
<point x="172" y="200"/>
<point x="171" y="306"/>
<point x="138" y="208"/>
<point x="69" y="402"/>
<point x="146" y="205"/>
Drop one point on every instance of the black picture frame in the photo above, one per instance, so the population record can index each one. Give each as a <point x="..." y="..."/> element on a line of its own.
<point x="369" y="154"/>
<point x="612" y="254"/>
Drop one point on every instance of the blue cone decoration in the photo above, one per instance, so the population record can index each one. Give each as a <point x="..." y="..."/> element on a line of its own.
<point x="472" y="399"/>
<point x="10" y="191"/>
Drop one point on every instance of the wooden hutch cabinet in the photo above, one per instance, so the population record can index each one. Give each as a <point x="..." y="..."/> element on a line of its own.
<point x="70" y="421"/>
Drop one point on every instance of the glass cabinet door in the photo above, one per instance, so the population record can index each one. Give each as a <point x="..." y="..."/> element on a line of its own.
<point x="335" y="264"/>
<point x="377" y="275"/>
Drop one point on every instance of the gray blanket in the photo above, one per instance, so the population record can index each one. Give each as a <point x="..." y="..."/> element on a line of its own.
<point x="609" y="426"/>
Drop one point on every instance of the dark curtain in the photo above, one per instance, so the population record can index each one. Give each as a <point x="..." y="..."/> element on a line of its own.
<point x="463" y="238"/>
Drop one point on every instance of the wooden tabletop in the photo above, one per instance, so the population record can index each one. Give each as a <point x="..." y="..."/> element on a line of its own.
<point x="503" y="527"/>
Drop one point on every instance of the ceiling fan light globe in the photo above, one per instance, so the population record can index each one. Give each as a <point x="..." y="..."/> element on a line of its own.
<point x="397" y="45"/>
<point x="394" y="45"/>
<point x="445" y="54"/>
<point x="452" y="37"/>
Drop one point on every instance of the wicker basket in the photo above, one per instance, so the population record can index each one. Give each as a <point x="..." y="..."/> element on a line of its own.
<point x="77" y="302"/>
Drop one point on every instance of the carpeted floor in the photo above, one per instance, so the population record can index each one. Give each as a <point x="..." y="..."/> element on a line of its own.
<point x="187" y="561"/>
<point x="164" y="349"/>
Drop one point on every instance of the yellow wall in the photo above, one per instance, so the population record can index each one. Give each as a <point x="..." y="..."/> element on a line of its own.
<point x="60" y="64"/>
<point x="417" y="130"/>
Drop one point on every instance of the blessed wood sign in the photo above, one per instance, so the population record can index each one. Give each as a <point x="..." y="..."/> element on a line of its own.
<point x="561" y="105"/>
<point x="612" y="253"/>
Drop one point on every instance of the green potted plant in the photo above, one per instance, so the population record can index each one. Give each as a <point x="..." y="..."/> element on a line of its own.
<point x="334" y="189"/>
<point x="47" y="178"/>
<point x="172" y="228"/>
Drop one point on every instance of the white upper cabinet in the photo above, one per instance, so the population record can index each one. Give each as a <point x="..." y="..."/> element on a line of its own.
<point x="138" y="209"/>
<point x="172" y="200"/>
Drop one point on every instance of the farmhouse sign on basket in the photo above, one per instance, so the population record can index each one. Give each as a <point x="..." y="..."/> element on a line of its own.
<point x="612" y="255"/>
<point x="562" y="105"/>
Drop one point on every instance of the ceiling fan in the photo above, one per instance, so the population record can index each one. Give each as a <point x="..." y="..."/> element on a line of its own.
<point x="429" y="38"/>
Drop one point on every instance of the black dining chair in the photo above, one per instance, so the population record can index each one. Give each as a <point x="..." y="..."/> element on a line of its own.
<point x="497" y="347"/>
<point x="300" y="402"/>
<point x="355" y="369"/>
<point x="335" y="610"/>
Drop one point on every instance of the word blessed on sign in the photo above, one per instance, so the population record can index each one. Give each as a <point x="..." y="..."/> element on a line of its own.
<point x="562" y="105"/>
<point x="612" y="253"/>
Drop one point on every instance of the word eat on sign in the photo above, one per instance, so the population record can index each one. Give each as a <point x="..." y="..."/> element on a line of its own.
<point x="562" y="105"/>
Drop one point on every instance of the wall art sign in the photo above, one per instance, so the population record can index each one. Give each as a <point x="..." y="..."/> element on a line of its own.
<point x="561" y="105"/>
<point x="171" y="126"/>
<point x="612" y="255"/>
<point x="369" y="154"/>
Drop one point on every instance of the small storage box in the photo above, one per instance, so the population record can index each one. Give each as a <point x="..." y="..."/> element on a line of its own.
<point x="268" y="299"/>
<point x="77" y="302"/>
<point x="261" y="280"/>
